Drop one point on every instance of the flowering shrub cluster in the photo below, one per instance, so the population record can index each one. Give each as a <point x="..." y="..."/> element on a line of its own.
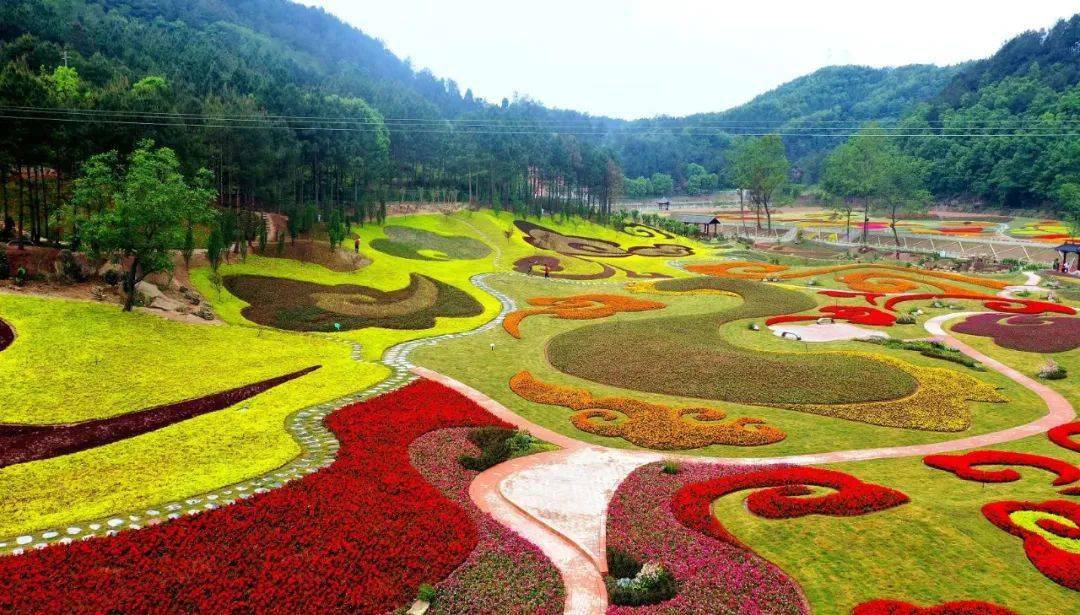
<point x="713" y="576"/>
<point x="649" y="425"/>
<point x="573" y="245"/>
<point x="358" y="536"/>
<point x="964" y="466"/>
<point x="1062" y="435"/>
<point x="578" y="307"/>
<point x="1026" y="332"/>
<point x="1061" y="565"/>
<point x="781" y="496"/>
<point x="504" y="573"/>
<point x="962" y="607"/>
<point x="23" y="443"/>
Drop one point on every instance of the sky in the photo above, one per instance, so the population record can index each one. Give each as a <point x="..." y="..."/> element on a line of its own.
<point x="642" y="58"/>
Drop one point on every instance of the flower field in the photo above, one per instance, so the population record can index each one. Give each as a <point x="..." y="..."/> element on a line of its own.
<point x="578" y="307"/>
<point x="1026" y="332"/>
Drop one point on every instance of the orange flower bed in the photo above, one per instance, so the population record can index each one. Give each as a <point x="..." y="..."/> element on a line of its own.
<point x="747" y="270"/>
<point x="578" y="307"/>
<point x="649" y="425"/>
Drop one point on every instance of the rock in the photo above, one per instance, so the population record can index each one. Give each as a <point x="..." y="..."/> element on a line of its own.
<point x="205" y="313"/>
<point x="148" y="290"/>
<point x="419" y="607"/>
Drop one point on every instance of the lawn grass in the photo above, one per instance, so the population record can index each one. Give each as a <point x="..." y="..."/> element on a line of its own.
<point x="75" y="360"/>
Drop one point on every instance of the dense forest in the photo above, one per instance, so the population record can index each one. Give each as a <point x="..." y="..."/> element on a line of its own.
<point x="291" y="108"/>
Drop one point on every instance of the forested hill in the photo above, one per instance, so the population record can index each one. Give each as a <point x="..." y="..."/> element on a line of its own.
<point x="838" y="96"/>
<point x="1030" y="87"/>
<point x="287" y="105"/>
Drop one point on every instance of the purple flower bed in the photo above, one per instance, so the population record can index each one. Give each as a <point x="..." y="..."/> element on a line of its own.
<point x="1026" y="332"/>
<point x="505" y="573"/>
<point x="713" y="576"/>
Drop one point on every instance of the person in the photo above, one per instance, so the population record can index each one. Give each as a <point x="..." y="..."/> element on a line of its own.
<point x="356" y="245"/>
<point x="547" y="271"/>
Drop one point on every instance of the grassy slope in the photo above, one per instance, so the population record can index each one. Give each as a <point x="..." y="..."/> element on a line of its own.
<point x="77" y="360"/>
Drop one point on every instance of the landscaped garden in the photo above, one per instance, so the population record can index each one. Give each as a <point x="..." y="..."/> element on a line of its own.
<point x="839" y="438"/>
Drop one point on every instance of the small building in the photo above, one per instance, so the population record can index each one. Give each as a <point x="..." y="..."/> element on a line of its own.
<point x="1070" y="256"/>
<point x="707" y="224"/>
<point x="664" y="204"/>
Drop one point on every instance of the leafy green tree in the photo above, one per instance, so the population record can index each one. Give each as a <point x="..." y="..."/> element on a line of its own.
<point x="661" y="184"/>
<point x="188" y="249"/>
<point x="857" y="170"/>
<point x="1069" y="195"/>
<point x="148" y="214"/>
<point x="761" y="167"/>
<point x="262" y="235"/>
<point x="903" y="187"/>
<point x="336" y="229"/>
<point x="215" y="246"/>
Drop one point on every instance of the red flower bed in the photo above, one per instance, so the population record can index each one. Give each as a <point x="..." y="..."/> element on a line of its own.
<point x="1062" y="567"/>
<point x="23" y="443"/>
<point x="964" y="466"/>
<point x="359" y="536"/>
<point x="1026" y="332"/>
<point x="860" y="315"/>
<point x="992" y="302"/>
<point x="1062" y="436"/>
<point x="782" y="495"/>
<point x="898" y="607"/>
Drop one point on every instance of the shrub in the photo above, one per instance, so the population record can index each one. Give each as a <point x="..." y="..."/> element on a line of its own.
<point x="5" y="266"/>
<point x="670" y="467"/>
<point x="934" y="350"/>
<point x="905" y="319"/>
<point x="21" y="276"/>
<point x="653" y="585"/>
<point x="426" y="593"/>
<point x="1051" y="370"/>
<point x="495" y="447"/>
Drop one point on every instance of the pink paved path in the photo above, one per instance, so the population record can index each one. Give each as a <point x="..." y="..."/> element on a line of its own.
<point x="558" y="500"/>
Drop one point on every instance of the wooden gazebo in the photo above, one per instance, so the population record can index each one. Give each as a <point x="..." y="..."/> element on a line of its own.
<point x="707" y="224"/>
<point x="1070" y="256"/>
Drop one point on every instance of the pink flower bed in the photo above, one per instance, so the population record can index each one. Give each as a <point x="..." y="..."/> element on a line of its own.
<point x="505" y="573"/>
<point x="714" y="576"/>
<point x="1026" y="332"/>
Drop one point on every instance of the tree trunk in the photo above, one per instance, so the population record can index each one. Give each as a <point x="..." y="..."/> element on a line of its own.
<point x="866" y="220"/>
<point x="130" y="285"/>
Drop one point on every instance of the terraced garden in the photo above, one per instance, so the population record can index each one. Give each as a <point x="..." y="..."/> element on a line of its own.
<point x="478" y="413"/>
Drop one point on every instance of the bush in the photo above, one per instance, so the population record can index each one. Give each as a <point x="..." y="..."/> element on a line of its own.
<point x="934" y="350"/>
<point x="426" y="593"/>
<point x="905" y="319"/>
<point x="629" y="583"/>
<point x="670" y="467"/>
<point x="112" y="277"/>
<point x="496" y="444"/>
<point x="5" y="266"/>
<point x="1051" y="370"/>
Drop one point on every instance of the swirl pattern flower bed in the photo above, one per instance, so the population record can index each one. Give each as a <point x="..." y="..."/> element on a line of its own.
<point x="359" y="536"/>
<point x="573" y="245"/>
<point x="1025" y="332"/>
<point x="965" y="466"/>
<point x="23" y="443"/>
<point x="853" y="386"/>
<point x="578" y="307"/>
<point x="505" y="573"/>
<point x="714" y="576"/>
<point x="877" y="278"/>
<point x="1051" y="535"/>
<point x="537" y="265"/>
<point x="1062" y="435"/>
<point x="653" y="426"/>
<point x="407" y="242"/>
<point x="306" y="306"/>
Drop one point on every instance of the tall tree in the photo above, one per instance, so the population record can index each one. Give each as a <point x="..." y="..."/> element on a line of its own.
<point x="153" y="205"/>
<point x="856" y="170"/>
<point x="760" y="167"/>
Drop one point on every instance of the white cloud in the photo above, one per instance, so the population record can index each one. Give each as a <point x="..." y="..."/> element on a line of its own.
<point x="635" y="58"/>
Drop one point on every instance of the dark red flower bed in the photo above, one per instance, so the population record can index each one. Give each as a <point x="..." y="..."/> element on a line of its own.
<point x="22" y="443"/>
<point x="1026" y="332"/>
<point x="964" y="466"/>
<point x="898" y="607"/>
<point x="359" y="536"/>
<point x="7" y="335"/>
<point x="1062" y="436"/>
<point x="1060" y="566"/>
<point x="782" y="495"/>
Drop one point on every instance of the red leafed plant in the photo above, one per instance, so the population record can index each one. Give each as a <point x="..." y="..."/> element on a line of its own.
<point x="358" y="536"/>
<point x="1062" y="435"/>
<point x="1059" y="565"/>
<point x="782" y="495"/>
<point x="964" y="466"/>
<point x="860" y="315"/>
<point x="899" y="607"/>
